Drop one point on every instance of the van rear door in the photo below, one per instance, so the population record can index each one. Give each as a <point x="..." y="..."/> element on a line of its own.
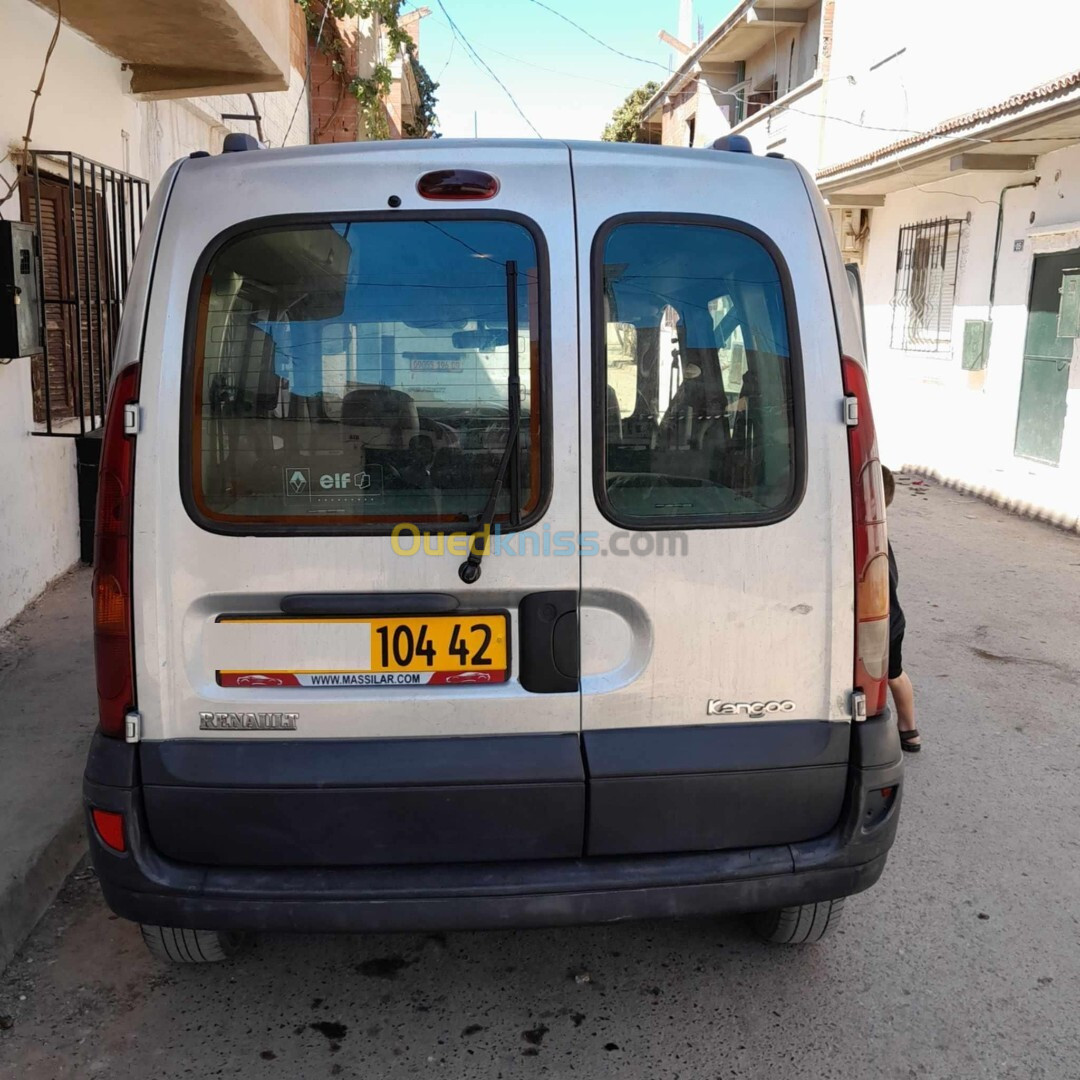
<point x="327" y="360"/>
<point x="717" y="622"/>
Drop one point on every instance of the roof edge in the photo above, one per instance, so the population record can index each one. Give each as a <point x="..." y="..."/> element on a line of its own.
<point x="686" y="67"/>
<point x="954" y="127"/>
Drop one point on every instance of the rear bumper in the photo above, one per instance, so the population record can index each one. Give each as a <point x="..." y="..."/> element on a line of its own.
<point x="141" y="885"/>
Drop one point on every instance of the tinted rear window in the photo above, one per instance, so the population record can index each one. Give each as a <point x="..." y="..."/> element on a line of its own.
<point x="696" y="408"/>
<point x="355" y="373"/>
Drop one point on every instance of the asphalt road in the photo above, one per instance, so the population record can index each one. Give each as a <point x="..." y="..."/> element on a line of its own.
<point x="963" y="962"/>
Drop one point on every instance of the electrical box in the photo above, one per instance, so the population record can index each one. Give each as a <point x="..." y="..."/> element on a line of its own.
<point x="20" y="304"/>
<point x="976" y="344"/>
<point x="1068" y="325"/>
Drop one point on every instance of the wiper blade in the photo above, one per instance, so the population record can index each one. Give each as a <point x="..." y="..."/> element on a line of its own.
<point x="510" y="463"/>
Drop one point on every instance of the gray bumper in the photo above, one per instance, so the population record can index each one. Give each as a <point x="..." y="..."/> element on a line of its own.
<point x="143" y="886"/>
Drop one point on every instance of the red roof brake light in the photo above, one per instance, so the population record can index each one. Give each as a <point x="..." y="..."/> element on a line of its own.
<point x="871" y="546"/>
<point x="457" y="184"/>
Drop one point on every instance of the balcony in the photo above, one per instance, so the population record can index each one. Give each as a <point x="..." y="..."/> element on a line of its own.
<point x="191" y="48"/>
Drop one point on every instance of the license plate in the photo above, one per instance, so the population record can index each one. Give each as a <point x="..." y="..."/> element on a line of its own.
<point x="436" y="650"/>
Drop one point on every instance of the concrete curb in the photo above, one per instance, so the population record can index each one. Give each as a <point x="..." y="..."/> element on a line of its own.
<point x="1017" y="506"/>
<point x="30" y="888"/>
<point x="48" y="718"/>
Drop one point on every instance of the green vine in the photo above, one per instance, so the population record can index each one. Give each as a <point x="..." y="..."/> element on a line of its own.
<point x="371" y="91"/>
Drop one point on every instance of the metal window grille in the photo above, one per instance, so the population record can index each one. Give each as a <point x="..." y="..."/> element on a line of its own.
<point x="927" y="264"/>
<point x="88" y="217"/>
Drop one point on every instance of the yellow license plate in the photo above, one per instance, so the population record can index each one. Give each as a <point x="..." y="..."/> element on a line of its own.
<point x="417" y="650"/>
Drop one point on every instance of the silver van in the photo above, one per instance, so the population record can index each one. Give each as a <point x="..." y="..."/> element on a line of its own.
<point x="489" y="534"/>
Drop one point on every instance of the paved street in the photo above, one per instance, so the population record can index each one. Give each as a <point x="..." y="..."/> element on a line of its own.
<point x="963" y="962"/>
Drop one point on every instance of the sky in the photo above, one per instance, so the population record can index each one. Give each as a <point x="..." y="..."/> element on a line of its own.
<point x="566" y="84"/>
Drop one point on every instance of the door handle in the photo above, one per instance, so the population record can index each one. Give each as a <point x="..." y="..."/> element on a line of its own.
<point x="549" y="661"/>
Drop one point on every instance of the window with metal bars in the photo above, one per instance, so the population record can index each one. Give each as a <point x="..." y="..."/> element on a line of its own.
<point x="927" y="264"/>
<point x="87" y="217"/>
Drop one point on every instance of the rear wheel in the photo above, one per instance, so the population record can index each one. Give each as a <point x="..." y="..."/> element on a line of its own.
<point x="802" y="924"/>
<point x="192" y="946"/>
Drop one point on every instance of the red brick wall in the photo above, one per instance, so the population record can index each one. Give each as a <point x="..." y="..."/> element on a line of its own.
<point x="334" y="116"/>
<point x="334" y="113"/>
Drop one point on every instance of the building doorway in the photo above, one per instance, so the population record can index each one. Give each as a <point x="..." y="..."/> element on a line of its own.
<point x="1053" y="327"/>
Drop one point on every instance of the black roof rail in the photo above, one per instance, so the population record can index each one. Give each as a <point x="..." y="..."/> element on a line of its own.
<point x="236" y="141"/>
<point x="735" y="144"/>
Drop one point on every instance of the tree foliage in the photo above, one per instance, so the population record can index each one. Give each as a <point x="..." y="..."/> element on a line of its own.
<point x="625" y="125"/>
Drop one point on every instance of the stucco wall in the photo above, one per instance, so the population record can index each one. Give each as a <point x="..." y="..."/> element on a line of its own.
<point x="959" y="56"/>
<point x="929" y="411"/>
<point x="85" y="108"/>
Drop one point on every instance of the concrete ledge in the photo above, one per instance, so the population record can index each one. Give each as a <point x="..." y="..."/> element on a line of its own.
<point x="48" y="708"/>
<point x="1068" y="522"/>
<point x="30" y="885"/>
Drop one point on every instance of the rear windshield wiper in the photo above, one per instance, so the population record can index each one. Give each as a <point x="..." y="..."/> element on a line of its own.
<point x="510" y="463"/>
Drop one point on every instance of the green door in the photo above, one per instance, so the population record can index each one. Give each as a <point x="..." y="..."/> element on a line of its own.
<point x="1052" y="329"/>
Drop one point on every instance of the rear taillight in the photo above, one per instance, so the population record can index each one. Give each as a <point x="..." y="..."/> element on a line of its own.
<point x="871" y="546"/>
<point x="110" y="827"/>
<point x="113" y="646"/>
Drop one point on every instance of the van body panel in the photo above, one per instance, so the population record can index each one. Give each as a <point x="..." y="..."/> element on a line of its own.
<point x="187" y="577"/>
<point x="130" y="336"/>
<point x="666" y="726"/>
<point x="351" y="802"/>
<point x="713" y="623"/>
<point x="143" y="885"/>
<point x="780" y="625"/>
<point x="847" y="311"/>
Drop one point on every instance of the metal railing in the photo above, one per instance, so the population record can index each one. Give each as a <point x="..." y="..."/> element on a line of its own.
<point x="927" y="265"/>
<point x="88" y="217"/>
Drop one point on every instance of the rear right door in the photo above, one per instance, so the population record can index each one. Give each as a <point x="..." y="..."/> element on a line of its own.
<point x="717" y="584"/>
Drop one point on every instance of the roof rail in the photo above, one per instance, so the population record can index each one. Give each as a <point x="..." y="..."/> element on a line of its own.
<point x="236" y="141"/>
<point x="735" y="144"/>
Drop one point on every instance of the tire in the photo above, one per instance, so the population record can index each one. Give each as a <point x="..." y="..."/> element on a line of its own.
<point x="802" y="924"/>
<point x="192" y="946"/>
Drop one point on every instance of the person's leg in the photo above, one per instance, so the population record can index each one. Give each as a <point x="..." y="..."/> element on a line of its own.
<point x="902" y="691"/>
<point x="904" y="699"/>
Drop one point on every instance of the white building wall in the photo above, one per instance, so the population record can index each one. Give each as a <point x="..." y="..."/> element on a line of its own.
<point x="86" y="108"/>
<point x="932" y="414"/>
<point x="959" y="55"/>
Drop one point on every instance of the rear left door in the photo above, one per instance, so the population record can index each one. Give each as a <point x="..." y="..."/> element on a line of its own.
<point x="320" y="369"/>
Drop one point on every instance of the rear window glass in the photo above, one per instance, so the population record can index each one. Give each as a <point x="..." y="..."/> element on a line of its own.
<point x="357" y="373"/>
<point x="696" y="409"/>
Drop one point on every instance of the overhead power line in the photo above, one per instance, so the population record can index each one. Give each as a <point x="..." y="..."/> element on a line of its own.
<point x="599" y="41"/>
<point x="477" y="59"/>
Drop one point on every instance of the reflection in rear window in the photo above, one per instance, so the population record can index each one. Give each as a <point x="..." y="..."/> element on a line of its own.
<point x="696" y="407"/>
<point x="356" y="373"/>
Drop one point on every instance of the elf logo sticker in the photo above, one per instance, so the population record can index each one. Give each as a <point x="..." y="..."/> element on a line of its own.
<point x="360" y="481"/>
<point x="300" y="484"/>
<point x="297" y="481"/>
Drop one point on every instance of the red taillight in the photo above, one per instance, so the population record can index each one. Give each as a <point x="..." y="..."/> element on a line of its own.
<point x="113" y="648"/>
<point x="871" y="546"/>
<point x="110" y="827"/>
<point x="457" y="184"/>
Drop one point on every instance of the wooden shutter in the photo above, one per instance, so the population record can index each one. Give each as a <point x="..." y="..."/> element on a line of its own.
<point x="57" y="358"/>
<point x="79" y="317"/>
